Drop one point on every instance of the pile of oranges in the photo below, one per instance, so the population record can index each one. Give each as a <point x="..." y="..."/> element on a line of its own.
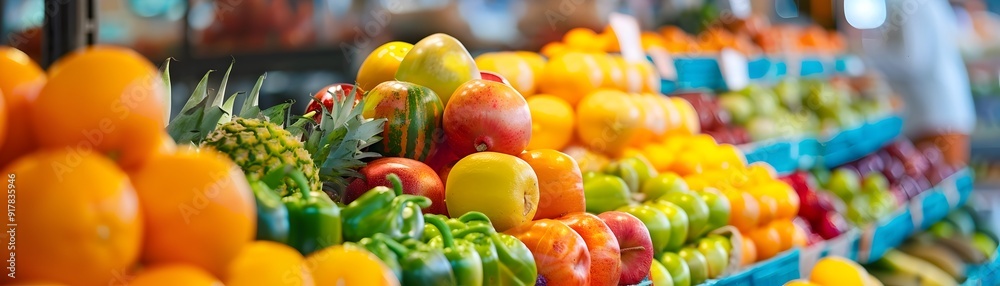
<point x="98" y="193"/>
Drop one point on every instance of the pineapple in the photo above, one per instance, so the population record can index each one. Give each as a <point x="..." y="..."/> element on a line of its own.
<point x="257" y="141"/>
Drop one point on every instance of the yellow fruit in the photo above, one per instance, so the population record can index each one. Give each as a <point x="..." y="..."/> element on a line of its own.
<point x="607" y="121"/>
<point x="730" y="156"/>
<point x="348" y="265"/>
<point x="118" y="113"/>
<point x="78" y="218"/>
<point x="632" y="78"/>
<point x="800" y="282"/>
<point x="381" y="65"/>
<point x="583" y="39"/>
<point x="503" y="187"/>
<point x="20" y="81"/>
<point x="588" y="161"/>
<point x="552" y="122"/>
<point x="535" y="61"/>
<point x="654" y="125"/>
<point x="571" y="76"/>
<point x="554" y="49"/>
<point x="511" y="66"/>
<point x="612" y="72"/>
<point x="671" y="117"/>
<point x="659" y="275"/>
<point x="838" y="271"/>
<point x="204" y="219"/>
<point x="174" y="274"/>
<point x="689" y="123"/>
<point x="659" y="156"/>
<point x="649" y="77"/>
<point x="269" y="263"/>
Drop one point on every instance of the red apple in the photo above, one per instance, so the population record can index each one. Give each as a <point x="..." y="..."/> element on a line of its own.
<point x="831" y="225"/>
<point x="417" y="179"/>
<point x="605" y="252"/>
<point x="635" y="244"/>
<point x="325" y="96"/>
<point x="485" y="115"/>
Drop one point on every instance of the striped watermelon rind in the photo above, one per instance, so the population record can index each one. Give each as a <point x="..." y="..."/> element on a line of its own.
<point x="414" y="117"/>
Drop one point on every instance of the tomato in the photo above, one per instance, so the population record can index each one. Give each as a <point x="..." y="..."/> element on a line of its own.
<point x="560" y="253"/>
<point x="325" y="97"/>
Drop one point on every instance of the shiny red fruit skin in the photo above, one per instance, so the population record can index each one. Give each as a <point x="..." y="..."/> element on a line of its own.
<point x="605" y="253"/>
<point x="325" y="97"/>
<point x="485" y="115"/>
<point x="417" y="178"/>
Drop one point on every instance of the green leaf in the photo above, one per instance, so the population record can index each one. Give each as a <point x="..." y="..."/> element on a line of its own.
<point x="228" y="108"/>
<point x="276" y="114"/>
<point x="211" y="119"/>
<point x="220" y="95"/>
<point x="167" y="97"/>
<point x="199" y="94"/>
<point x="251" y="106"/>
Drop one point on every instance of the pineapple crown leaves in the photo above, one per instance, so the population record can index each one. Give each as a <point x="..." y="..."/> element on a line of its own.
<point x="338" y="141"/>
<point x="203" y="110"/>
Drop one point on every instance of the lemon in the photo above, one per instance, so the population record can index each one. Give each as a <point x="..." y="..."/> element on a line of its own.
<point x="608" y="121"/>
<point x="552" y="122"/>
<point x="800" y="282"/>
<point x="838" y="271"/>
<point x="503" y="187"/>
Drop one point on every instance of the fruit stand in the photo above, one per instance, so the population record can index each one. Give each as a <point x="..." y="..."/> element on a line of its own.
<point x="615" y="156"/>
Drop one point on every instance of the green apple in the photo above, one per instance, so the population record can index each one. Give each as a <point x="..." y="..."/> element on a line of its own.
<point x="789" y="93"/>
<point x="720" y="241"/>
<point x="627" y="173"/>
<point x="716" y="257"/>
<point x="659" y="275"/>
<point x="983" y="242"/>
<point x="678" y="223"/>
<point x="859" y="211"/>
<point x="677" y="267"/>
<point x="605" y="193"/>
<point x="718" y="208"/>
<point x="655" y="221"/>
<point x="881" y="204"/>
<point x="874" y="182"/>
<point x="762" y="128"/>
<point x="590" y="175"/>
<point x="844" y="183"/>
<point x="963" y="221"/>
<point x="942" y="229"/>
<point x="763" y="99"/>
<point x="739" y="107"/>
<point x="697" y="264"/>
<point x="662" y="184"/>
<point x="695" y="208"/>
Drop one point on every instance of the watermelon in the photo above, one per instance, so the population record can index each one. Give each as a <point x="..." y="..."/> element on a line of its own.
<point x="414" y="117"/>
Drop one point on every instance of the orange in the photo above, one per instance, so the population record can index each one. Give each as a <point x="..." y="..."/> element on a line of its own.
<point x="365" y="269"/>
<point x="198" y="209"/>
<point x="511" y="66"/>
<point x="3" y="118"/>
<point x="20" y="81"/>
<point x="174" y="274"/>
<point x="745" y="211"/>
<point x="611" y="70"/>
<point x="687" y="163"/>
<point x="78" y="219"/>
<point x="269" y="263"/>
<point x="89" y="107"/>
<point x="749" y="251"/>
<point x="671" y="116"/>
<point x="688" y="123"/>
<point x="648" y="76"/>
<point x="632" y="81"/>
<point x="768" y="242"/>
<point x="501" y="186"/>
<point x="552" y="121"/>
<point x="554" y="49"/>
<point x="560" y="183"/>
<point x="785" y="197"/>
<point x="659" y="156"/>
<point x="799" y="236"/>
<point x="583" y="39"/>
<point x="768" y="205"/>
<point x="787" y="231"/>
<point x="381" y="64"/>
<point x="607" y="121"/>
<point x="653" y="114"/>
<point x="571" y="76"/>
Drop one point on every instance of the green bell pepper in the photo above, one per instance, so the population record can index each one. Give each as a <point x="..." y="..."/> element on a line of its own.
<point x="506" y="260"/>
<point x="465" y="261"/>
<point x="272" y="215"/>
<point x="431" y="231"/>
<point x="314" y="218"/>
<point x="421" y="265"/>
<point x="383" y="252"/>
<point x="387" y="211"/>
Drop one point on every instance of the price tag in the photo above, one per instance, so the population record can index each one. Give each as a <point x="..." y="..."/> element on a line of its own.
<point x="627" y="30"/>
<point x="664" y="63"/>
<point x="950" y="190"/>
<point x="735" y="69"/>
<point x="917" y="211"/>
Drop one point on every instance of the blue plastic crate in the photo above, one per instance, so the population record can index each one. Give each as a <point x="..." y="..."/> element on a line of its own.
<point x="742" y="278"/>
<point x="776" y="271"/>
<point x="812" y="67"/>
<point x="778" y="154"/>
<point x="758" y="69"/>
<point x="809" y="152"/>
<point x="888" y="234"/>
